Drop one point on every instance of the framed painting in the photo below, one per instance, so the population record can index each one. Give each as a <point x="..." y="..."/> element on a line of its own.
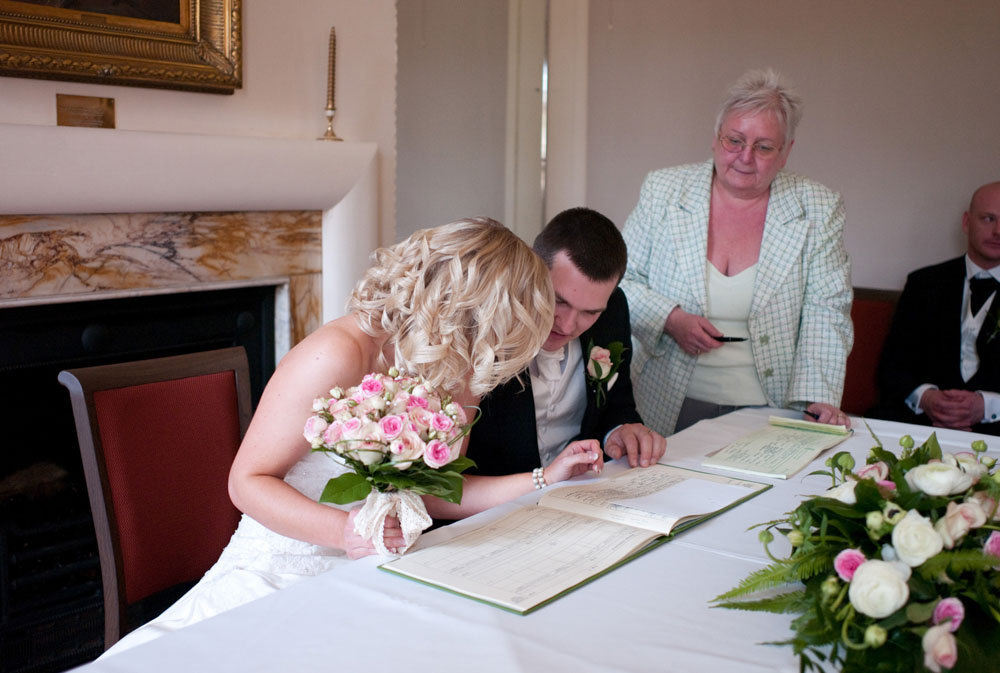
<point x="194" y="45"/>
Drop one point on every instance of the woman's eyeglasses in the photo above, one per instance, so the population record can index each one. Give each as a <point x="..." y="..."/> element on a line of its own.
<point x="761" y="149"/>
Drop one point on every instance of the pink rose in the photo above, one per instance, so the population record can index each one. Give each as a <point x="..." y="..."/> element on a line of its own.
<point x="371" y="384"/>
<point x="426" y="394"/>
<point x="333" y="434"/>
<point x="940" y="648"/>
<point x="877" y="471"/>
<point x="341" y="409"/>
<point x="391" y="426"/>
<point x="407" y="446"/>
<point x="988" y="504"/>
<point x="415" y="401"/>
<point x="885" y="487"/>
<point x="599" y="365"/>
<point x="399" y="403"/>
<point x="950" y="609"/>
<point x="992" y="547"/>
<point x="421" y="417"/>
<point x="958" y="520"/>
<point x="351" y="428"/>
<point x="437" y="454"/>
<point x="847" y="562"/>
<point x="314" y="428"/>
<point x="442" y="422"/>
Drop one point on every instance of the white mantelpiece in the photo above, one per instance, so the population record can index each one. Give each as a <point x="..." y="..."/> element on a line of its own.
<point x="62" y="170"/>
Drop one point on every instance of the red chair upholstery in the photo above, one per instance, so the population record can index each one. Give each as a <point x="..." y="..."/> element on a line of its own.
<point x="872" y="315"/>
<point x="157" y="438"/>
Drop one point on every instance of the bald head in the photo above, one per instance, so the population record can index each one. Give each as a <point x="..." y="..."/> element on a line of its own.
<point x="982" y="225"/>
<point x="985" y="192"/>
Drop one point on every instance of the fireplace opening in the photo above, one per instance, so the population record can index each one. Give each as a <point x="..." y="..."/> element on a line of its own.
<point x="51" y="603"/>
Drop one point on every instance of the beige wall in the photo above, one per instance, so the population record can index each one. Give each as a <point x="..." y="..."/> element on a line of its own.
<point x="451" y="109"/>
<point x="901" y="117"/>
<point x="284" y="85"/>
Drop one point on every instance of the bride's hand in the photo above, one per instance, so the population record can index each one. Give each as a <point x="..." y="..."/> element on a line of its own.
<point x="358" y="547"/>
<point x="577" y="458"/>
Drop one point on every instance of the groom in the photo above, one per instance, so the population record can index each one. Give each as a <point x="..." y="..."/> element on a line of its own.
<point x="526" y="425"/>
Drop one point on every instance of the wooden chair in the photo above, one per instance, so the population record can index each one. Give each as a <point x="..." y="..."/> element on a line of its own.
<point x="157" y="438"/>
<point x="871" y="313"/>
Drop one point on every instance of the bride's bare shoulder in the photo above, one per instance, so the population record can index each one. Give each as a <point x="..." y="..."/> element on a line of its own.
<point x="338" y="350"/>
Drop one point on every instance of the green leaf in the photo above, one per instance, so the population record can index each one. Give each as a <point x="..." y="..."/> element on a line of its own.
<point x="918" y="613"/>
<point x="956" y="562"/>
<point x="347" y="488"/>
<point x="791" y="601"/>
<point x="460" y="464"/>
<point x="773" y="575"/>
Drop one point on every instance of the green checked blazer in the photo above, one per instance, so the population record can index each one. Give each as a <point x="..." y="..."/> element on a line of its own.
<point x="800" y="316"/>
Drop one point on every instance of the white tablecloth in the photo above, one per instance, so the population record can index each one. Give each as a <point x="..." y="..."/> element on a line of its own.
<point x="652" y="614"/>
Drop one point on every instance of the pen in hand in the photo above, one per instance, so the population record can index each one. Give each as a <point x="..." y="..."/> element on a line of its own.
<point x="811" y="415"/>
<point x="728" y="339"/>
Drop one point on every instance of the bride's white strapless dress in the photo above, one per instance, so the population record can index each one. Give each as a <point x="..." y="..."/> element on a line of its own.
<point x="256" y="562"/>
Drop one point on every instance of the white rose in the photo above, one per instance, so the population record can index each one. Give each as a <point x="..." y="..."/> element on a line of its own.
<point x="878" y="589"/>
<point x="969" y="463"/>
<point x="938" y="479"/>
<point x="915" y="539"/>
<point x="844" y="492"/>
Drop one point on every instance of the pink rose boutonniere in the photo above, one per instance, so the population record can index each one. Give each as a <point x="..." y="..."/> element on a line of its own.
<point x="602" y="368"/>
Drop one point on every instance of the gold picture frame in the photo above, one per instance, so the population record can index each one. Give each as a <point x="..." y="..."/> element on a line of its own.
<point x="193" y="45"/>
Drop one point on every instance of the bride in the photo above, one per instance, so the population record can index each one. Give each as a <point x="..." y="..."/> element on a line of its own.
<point x="465" y="305"/>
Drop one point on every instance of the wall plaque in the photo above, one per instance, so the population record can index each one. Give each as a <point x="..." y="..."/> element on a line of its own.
<point x="89" y="111"/>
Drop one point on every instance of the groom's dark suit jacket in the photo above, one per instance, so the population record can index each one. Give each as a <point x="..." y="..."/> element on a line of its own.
<point x="505" y="440"/>
<point x="924" y="344"/>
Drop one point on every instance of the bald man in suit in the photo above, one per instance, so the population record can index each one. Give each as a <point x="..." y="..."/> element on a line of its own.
<point x="941" y="360"/>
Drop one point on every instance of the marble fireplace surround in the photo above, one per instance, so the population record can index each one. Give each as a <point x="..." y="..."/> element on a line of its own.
<point x="103" y="213"/>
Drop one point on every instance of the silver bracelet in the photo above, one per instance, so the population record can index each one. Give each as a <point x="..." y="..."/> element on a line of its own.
<point x="538" y="478"/>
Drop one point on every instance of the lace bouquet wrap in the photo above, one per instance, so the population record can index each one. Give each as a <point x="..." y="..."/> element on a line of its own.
<point x="401" y="439"/>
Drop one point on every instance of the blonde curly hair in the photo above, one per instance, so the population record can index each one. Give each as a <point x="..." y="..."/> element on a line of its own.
<point x="464" y="297"/>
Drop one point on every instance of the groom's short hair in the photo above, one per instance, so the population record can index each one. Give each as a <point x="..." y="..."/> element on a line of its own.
<point x="591" y="241"/>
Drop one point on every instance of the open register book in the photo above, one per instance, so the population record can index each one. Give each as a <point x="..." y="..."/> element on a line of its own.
<point x="779" y="450"/>
<point x="574" y="534"/>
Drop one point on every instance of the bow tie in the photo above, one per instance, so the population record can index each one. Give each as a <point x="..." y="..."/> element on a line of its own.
<point x="981" y="289"/>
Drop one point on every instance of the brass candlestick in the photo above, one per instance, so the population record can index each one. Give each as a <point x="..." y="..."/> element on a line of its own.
<point x="331" y="81"/>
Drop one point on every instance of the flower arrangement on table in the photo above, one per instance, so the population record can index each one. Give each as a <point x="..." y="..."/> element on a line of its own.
<point x="401" y="439"/>
<point x="602" y="368"/>
<point x="899" y="564"/>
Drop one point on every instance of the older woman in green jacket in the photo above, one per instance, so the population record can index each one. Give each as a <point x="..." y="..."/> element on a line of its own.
<point x="738" y="280"/>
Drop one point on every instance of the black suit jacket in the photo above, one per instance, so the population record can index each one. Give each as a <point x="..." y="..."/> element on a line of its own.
<point x="505" y="439"/>
<point x="924" y="344"/>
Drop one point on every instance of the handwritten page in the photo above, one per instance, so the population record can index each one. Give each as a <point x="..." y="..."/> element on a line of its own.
<point x="774" y="451"/>
<point x="576" y="533"/>
<point x="525" y="558"/>
<point x="655" y="497"/>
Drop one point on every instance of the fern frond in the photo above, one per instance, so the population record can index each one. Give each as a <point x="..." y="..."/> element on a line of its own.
<point x="956" y="562"/>
<point x="811" y="562"/>
<point x="774" y="575"/>
<point x="790" y="601"/>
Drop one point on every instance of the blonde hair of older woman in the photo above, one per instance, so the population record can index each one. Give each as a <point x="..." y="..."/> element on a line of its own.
<point x="466" y="296"/>
<point x="759" y="91"/>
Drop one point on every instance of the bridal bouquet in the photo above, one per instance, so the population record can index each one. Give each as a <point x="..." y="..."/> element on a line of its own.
<point x="897" y="567"/>
<point x="401" y="439"/>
